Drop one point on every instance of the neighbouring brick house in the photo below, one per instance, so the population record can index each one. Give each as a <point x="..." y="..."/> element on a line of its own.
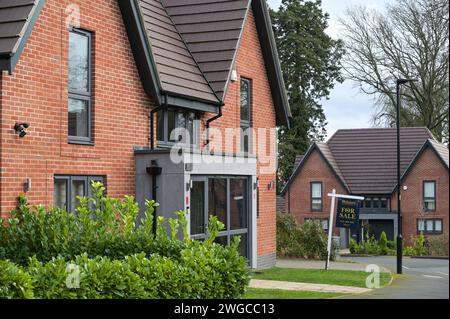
<point x="363" y="162"/>
<point x="99" y="86"/>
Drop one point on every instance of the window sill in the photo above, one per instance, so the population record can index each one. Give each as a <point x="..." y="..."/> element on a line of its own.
<point x="77" y="142"/>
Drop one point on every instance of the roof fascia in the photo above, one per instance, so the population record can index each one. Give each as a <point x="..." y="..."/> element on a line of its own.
<point x="308" y="153"/>
<point x="141" y="48"/>
<point x="238" y="45"/>
<point x="9" y="64"/>
<point x="269" y="50"/>
<point x="416" y="158"/>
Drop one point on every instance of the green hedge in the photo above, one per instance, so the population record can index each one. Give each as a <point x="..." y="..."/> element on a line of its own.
<point x="15" y="283"/>
<point x="115" y="257"/>
<point x="301" y="241"/>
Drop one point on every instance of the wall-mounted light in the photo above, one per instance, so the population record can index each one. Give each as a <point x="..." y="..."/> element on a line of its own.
<point x="27" y="185"/>
<point x="234" y="76"/>
<point x="20" y="129"/>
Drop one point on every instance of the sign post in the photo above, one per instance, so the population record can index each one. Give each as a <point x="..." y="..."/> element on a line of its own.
<point x="352" y="215"/>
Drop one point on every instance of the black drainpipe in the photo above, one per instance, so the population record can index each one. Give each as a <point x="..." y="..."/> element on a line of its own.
<point x="208" y="124"/>
<point x="154" y="170"/>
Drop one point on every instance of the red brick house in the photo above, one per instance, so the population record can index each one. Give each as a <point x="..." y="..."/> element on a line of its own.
<point x="362" y="162"/>
<point x="96" y="90"/>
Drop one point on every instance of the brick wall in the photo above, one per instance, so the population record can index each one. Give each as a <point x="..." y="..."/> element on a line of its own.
<point x="315" y="169"/>
<point x="262" y="116"/>
<point x="427" y="168"/>
<point x="37" y="93"/>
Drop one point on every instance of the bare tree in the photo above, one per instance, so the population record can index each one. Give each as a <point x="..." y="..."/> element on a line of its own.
<point x="409" y="40"/>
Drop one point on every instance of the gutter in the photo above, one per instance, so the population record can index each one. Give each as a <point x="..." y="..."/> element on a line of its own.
<point x="208" y="124"/>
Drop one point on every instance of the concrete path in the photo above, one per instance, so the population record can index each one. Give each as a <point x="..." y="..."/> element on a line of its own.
<point x="285" y="285"/>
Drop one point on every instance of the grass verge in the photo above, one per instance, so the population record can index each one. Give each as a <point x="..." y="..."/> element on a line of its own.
<point x="319" y="276"/>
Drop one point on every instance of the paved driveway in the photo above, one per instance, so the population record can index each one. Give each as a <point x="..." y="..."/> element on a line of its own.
<point x="421" y="279"/>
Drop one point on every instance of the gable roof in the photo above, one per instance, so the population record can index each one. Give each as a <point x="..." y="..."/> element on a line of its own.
<point x="177" y="43"/>
<point x="184" y="49"/>
<point x="439" y="149"/>
<point x="177" y="69"/>
<point x="212" y="30"/>
<point x="366" y="159"/>
<point x="17" y="18"/>
<point x="326" y="154"/>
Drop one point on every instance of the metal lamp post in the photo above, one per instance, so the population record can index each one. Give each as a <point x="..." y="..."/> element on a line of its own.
<point x="399" y="212"/>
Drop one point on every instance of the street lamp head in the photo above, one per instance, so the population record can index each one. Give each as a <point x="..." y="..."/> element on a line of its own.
<point x="403" y="81"/>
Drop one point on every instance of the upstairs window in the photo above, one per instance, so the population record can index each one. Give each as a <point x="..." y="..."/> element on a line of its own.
<point x="246" y="100"/>
<point x="176" y="127"/>
<point x="80" y="104"/>
<point x="429" y="196"/>
<point x="316" y="196"/>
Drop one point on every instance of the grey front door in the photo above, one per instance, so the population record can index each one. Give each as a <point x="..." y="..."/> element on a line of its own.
<point x="228" y="199"/>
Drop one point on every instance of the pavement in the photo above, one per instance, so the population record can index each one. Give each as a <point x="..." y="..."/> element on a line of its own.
<point x="421" y="278"/>
<point x="284" y="285"/>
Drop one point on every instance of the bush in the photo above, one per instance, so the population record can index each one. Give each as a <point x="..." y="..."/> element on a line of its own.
<point x="354" y="247"/>
<point x="85" y="278"/>
<point x="100" y="226"/>
<point x="438" y="245"/>
<point x="288" y="236"/>
<point x="305" y="241"/>
<point x="14" y="282"/>
<point x="314" y="240"/>
<point x="419" y="245"/>
<point x="383" y="243"/>
<point x="408" y="251"/>
<point x="116" y="258"/>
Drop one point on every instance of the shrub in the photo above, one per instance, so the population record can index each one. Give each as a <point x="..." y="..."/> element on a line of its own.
<point x="100" y="226"/>
<point x="419" y="245"/>
<point x="14" y="282"/>
<point x="305" y="241"/>
<point x="438" y="245"/>
<point x="85" y="278"/>
<point x="383" y="243"/>
<point x="116" y="258"/>
<point x="314" y="240"/>
<point x="288" y="233"/>
<point x="354" y="248"/>
<point x="408" y="251"/>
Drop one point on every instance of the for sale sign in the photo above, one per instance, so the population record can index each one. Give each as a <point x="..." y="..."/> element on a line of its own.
<point x="347" y="213"/>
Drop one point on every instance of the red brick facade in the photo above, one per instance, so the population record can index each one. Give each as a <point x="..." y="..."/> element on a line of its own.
<point x="428" y="167"/>
<point x="37" y="93"/>
<point x="298" y="196"/>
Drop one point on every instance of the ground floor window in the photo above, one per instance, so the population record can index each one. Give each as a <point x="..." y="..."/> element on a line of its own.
<point x="429" y="226"/>
<point x="68" y="188"/>
<point x="228" y="198"/>
<point x="323" y="222"/>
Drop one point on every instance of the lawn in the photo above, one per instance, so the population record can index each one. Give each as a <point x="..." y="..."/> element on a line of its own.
<point x="320" y="276"/>
<point x="254" y="293"/>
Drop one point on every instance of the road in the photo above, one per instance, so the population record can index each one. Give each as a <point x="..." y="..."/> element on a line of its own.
<point x="421" y="278"/>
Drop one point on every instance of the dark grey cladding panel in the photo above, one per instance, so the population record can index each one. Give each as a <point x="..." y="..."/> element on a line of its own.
<point x="211" y="30"/>
<point x="177" y="69"/>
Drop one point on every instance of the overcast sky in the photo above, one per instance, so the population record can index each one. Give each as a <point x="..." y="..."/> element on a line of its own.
<point x="347" y="107"/>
